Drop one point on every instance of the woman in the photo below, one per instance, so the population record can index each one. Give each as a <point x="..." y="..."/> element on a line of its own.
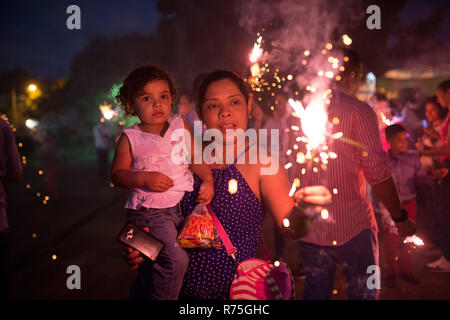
<point x="431" y="137"/>
<point x="443" y="151"/>
<point x="224" y="103"/>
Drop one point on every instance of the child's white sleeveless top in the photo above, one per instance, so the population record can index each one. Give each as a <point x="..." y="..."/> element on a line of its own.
<point x="167" y="155"/>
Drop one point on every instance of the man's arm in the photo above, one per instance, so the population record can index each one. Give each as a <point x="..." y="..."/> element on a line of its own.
<point x="439" y="151"/>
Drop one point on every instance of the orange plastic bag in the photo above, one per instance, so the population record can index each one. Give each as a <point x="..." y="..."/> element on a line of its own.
<point x="199" y="231"/>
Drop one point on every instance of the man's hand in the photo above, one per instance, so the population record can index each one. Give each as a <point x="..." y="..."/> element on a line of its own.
<point x="406" y="228"/>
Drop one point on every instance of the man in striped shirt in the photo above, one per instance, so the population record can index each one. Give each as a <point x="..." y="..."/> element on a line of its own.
<point x="348" y="237"/>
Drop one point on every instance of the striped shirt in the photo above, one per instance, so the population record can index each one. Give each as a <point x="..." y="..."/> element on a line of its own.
<point x="360" y="158"/>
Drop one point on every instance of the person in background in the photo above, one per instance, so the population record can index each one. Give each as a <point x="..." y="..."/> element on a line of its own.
<point x="187" y="110"/>
<point x="431" y="137"/>
<point x="10" y="171"/>
<point x="443" y="151"/>
<point x="103" y="140"/>
<point x="411" y="101"/>
<point x="348" y="237"/>
<point x="381" y="106"/>
<point x="409" y="175"/>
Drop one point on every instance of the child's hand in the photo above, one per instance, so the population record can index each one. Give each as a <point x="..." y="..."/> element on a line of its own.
<point x="206" y="192"/>
<point x="156" y="181"/>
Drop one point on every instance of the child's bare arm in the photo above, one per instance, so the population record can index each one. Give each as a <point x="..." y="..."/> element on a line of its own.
<point x="202" y="170"/>
<point x="123" y="177"/>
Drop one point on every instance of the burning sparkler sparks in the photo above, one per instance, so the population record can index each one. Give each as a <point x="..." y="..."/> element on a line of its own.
<point x="257" y="51"/>
<point x="107" y="111"/>
<point x="415" y="240"/>
<point x="346" y="40"/>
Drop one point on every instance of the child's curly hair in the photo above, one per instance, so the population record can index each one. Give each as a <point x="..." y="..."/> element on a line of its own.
<point x="136" y="80"/>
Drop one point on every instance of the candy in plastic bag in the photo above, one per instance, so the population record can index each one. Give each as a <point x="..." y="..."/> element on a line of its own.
<point x="199" y="231"/>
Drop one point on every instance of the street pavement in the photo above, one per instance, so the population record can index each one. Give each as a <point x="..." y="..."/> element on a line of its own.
<point x="80" y="228"/>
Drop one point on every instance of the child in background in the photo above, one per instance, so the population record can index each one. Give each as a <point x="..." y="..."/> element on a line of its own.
<point x="408" y="175"/>
<point x="144" y="163"/>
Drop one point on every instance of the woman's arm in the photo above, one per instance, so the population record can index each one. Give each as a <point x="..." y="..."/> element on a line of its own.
<point x="123" y="177"/>
<point x="291" y="215"/>
<point x="440" y="151"/>
<point x="202" y="170"/>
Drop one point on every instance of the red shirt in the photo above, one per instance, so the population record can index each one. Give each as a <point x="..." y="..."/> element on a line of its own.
<point x="346" y="176"/>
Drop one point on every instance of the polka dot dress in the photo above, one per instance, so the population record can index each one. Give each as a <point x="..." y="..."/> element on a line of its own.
<point x="210" y="271"/>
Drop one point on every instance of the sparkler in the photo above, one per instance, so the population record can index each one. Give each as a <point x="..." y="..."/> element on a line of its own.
<point x="313" y="119"/>
<point x="415" y="240"/>
<point x="255" y="69"/>
<point x="385" y="120"/>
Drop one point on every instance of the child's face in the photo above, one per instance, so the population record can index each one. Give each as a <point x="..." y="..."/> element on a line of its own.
<point x="431" y="112"/>
<point x="153" y="104"/>
<point x="399" y="143"/>
<point x="225" y="107"/>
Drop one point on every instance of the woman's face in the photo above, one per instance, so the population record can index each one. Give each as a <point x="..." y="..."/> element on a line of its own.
<point x="443" y="98"/>
<point x="431" y="112"/>
<point x="225" y="107"/>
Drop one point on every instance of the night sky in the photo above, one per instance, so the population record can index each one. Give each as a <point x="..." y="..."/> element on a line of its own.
<point x="34" y="33"/>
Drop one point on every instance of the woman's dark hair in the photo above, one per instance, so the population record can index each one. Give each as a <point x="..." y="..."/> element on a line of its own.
<point x="442" y="111"/>
<point x="136" y="81"/>
<point x="217" y="76"/>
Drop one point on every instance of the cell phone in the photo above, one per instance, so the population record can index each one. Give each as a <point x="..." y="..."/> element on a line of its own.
<point x="424" y="123"/>
<point x="136" y="237"/>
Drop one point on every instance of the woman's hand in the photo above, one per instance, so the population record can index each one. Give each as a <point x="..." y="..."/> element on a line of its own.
<point x="156" y="181"/>
<point x="309" y="202"/>
<point x="314" y="196"/>
<point x="206" y="192"/>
